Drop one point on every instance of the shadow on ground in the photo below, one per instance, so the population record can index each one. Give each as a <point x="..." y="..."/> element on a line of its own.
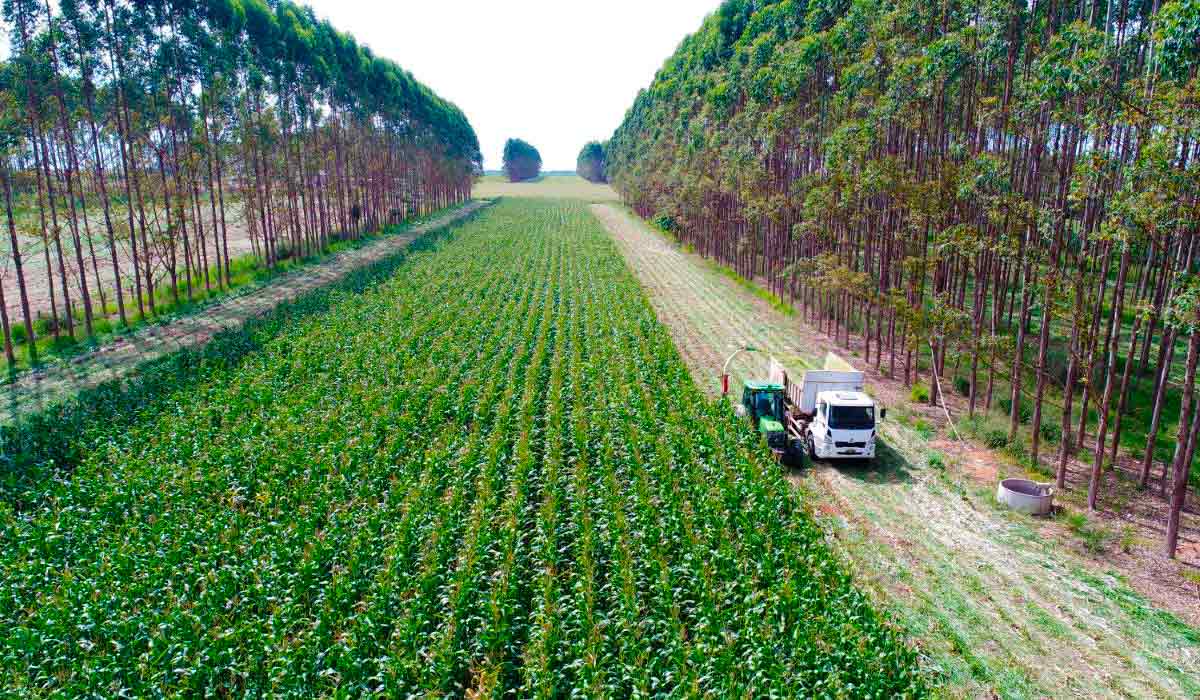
<point x="888" y="467"/>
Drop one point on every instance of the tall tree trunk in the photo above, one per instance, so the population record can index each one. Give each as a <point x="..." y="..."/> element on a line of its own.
<point x="1111" y="364"/>
<point x="1188" y="424"/>
<point x="15" y="251"/>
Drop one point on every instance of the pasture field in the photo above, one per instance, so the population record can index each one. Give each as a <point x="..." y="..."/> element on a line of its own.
<point x="477" y="469"/>
<point x="547" y="186"/>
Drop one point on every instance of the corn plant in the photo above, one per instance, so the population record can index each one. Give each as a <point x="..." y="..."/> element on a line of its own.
<point x="480" y="470"/>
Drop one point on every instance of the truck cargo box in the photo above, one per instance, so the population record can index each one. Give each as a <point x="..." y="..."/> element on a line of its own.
<point x="803" y="394"/>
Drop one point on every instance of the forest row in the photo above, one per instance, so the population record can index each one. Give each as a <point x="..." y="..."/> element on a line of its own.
<point x="143" y="141"/>
<point x="949" y="183"/>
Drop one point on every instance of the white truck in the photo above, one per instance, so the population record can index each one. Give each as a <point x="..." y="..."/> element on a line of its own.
<point x="827" y="414"/>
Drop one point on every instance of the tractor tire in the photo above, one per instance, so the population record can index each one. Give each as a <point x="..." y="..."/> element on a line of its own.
<point x="793" y="455"/>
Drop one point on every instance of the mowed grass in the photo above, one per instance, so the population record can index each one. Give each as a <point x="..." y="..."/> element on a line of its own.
<point x="544" y="187"/>
<point x="481" y="469"/>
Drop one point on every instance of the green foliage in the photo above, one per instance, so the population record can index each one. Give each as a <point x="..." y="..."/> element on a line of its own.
<point x="1050" y="431"/>
<point x="1127" y="538"/>
<point x="1184" y="312"/>
<point x="1177" y="29"/>
<point x="521" y="161"/>
<point x="592" y="162"/>
<point x="1024" y="410"/>
<point x="962" y="385"/>
<point x="1095" y="537"/>
<point x="665" y="222"/>
<point x="995" y="439"/>
<point x="919" y="393"/>
<point x="450" y="471"/>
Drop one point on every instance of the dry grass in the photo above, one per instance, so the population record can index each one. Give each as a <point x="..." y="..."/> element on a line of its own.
<point x="545" y="187"/>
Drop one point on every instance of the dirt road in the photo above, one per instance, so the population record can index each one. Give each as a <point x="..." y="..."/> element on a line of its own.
<point x="997" y="603"/>
<point x="35" y="390"/>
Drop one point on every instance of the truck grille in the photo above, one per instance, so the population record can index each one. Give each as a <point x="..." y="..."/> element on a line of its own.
<point x="850" y="444"/>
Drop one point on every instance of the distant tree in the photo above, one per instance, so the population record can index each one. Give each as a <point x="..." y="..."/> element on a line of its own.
<point x="521" y="161"/>
<point x="590" y="164"/>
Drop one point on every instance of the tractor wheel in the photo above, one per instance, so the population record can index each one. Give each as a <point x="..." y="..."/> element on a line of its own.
<point x="811" y="447"/>
<point x="795" y="453"/>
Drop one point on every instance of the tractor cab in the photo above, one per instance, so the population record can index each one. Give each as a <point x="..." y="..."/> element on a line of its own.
<point x="765" y="405"/>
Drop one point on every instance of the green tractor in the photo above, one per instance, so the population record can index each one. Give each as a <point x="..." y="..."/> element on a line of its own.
<point x="765" y="404"/>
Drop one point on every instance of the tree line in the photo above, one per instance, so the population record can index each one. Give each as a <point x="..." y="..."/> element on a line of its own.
<point x="136" y="133"/>
<point x="1004" y="194"/>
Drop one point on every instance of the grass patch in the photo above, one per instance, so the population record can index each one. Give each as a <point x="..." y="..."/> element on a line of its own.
<point x="1094" y="536"/>
<point x="1160" y="623"/>
<point x="776" y="302"/>
<point x="1047" y="622"/>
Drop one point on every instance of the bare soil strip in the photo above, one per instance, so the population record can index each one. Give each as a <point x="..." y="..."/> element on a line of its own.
<point x="37" y="282"/>
<point x="38" y="389"/>
<point x="998" y="604"/>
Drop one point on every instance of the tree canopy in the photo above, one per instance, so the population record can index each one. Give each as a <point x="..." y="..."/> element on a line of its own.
<point x="178" y="121"/>
<point x="591" y="162"/>
<point x="521" y="160"/>
<point x="1011" y="185"/>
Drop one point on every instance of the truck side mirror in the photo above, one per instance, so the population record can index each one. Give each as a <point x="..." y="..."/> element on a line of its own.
<point x="883" y="414"/>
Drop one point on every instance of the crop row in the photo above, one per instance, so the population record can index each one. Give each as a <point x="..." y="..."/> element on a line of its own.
<point x="490" y="473"/>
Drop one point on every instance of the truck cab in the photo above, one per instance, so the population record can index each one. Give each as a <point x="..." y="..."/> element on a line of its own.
<point x="842" y="426"/>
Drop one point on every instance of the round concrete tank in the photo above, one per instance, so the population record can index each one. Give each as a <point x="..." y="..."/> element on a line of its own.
<point x="1025" y="496"/>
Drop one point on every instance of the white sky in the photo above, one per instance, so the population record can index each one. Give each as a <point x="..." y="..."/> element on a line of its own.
<point x="557" y="73"/>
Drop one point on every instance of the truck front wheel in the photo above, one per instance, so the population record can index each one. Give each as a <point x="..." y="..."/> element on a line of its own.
<point x="811" y="447"/>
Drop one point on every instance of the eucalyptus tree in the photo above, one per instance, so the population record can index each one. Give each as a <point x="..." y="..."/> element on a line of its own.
<point x="1002" y="193"/>
<point x="150" y="129"/>
<point x="591" y="165"/>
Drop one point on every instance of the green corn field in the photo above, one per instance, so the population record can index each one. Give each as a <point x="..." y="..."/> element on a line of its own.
<point x="478" y="469"/>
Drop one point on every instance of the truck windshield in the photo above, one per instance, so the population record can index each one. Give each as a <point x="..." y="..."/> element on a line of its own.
<point x="852" y="417"/>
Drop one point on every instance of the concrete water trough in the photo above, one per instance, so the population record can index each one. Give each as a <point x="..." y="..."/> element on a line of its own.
<point x="1026" y="496"/>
